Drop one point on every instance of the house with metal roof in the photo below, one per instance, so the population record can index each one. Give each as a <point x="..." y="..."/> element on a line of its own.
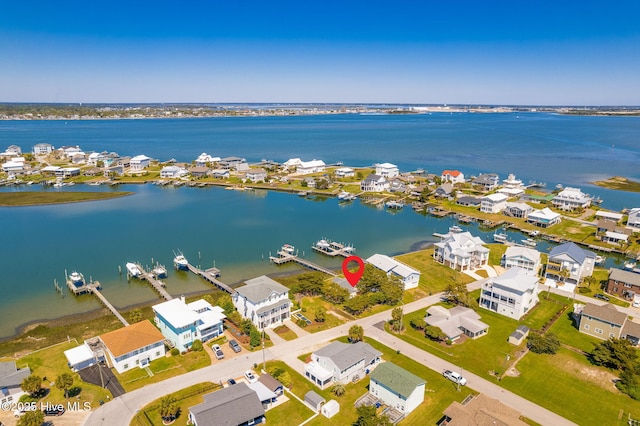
<point x="570" y="257"/>
<point x="521" y="257"/>
<point x="387" y="170"/>
<point x="135" y="345"/>
<point x="308" y="167"/>
<point x="340" y="362"/>
<point x="487" y="181"/>
<point x="511" y="294"/>
<point x="231" y="406"/>
<point x="543" y="218"/>
<point x="264" y="301"/>
<point x="519" y="210"/>
<point x="397" y="388"/>
<point x="10" y="379"/>
<point x="409" y="276"/>
<point x="493" y="203"/>
<point x="42" y="149"/>
<point x="461" y="251"/>
<point x="456" y="322"/>
<point x="623" y="283"/>
<point x="571" y="199"/>
<point x="139" y="162"/>
<point x="181" y="323"/>
<point x="374" y="183"/>
<point x="633" y="219"/>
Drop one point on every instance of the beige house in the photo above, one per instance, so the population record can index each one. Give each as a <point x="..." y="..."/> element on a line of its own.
<point x="605" y="322"/>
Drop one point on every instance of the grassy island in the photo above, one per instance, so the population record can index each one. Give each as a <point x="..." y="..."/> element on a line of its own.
<point x="619" y="183"/>
<point x="35" y="198"/>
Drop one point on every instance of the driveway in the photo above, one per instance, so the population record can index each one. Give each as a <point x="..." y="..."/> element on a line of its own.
<point x="101" y="375"/>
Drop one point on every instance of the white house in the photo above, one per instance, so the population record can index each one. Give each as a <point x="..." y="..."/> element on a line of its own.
<point x="42" y="149"/>
<point x="461" y="251"/>
<point x="493" y="203"/>
<point x="571" y="199"/>
<point x="13" y="150"/>
<point x="205" y="160"/>
<point x="570" y="257"/>
<point x="521" y="257"/>
<point x="256" y="175"/>
<point x="308" y="167"/>
<point x="453" y="176"/>
<point x="264" y="301"/>
<point x="341" y="363"/>
<point x="519" y="210"/>
<point x="409" y="276"/>
<point x="487" y="181"/>
<point x="512" y="186"/>
<point x="397" y="388"/>
<point x="634" y="218"/>
<point x="344" y="172"/>
<point x="387" y="170"/>
<point x="10" y="379"/>
<point x="544" y="218"/>
<point x="81" y="357"/>
<point x="172" y="172"/>
<point x="181" y="323"/>
<point x="139" y="162"/>
<point x="374" y="183"/>
<point x="13" y="166"/>
<point x="511" y="294"/>
<point x="135" y="345"/>
<point x="292" y="163"/>
<point x="456" y="322"/>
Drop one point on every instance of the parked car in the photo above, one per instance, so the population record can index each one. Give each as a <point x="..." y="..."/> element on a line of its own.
<point x="231" y="381"/>
<point x="601" y="297"/>
<point x="454" y="377"/>
<point x="235" y="346"/>
<point x="56" y="410"/>
<point x="218" y="351"/>
<point x="251" y="378"/>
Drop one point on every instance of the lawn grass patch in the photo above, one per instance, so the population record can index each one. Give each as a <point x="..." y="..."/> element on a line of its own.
<point x="285" y="332"/>
<point x="34" y="198"/>
<point x="434" y="277"/>
<point x="309" y="305"/>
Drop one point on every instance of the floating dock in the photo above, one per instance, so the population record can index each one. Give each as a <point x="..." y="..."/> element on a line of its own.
<point x="284" y="256"/>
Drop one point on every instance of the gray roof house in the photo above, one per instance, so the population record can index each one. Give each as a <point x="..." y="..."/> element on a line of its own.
<point x="341" y="363"/>
<point x="232" y="406"/>
<point x="570" y="257"/>
<point x="263" y="301"/>
<point x="10" y="379"/>
<point x="487" y="181"/>
<point x="456" y="321"/>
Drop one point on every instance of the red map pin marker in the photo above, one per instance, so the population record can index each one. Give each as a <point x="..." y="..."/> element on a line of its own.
<point x="353" y="277"/>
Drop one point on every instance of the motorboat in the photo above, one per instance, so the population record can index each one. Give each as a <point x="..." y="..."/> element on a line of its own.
<point x="528" y="242"/>
<point x="133" y="270"/>
<point x="500" y="237"/>
<point x="77" y="279"/>
<point x="159" y="271"/>
<point x="288" y="248"/>
<point x="323" y="245"/>
<point x="455" y="229"/>
<point x="180" y="262"/>
<point x="393" y="204"/>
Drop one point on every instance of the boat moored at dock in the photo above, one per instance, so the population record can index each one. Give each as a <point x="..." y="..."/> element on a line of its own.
<point x="159" y="271"/>
<point x="180" y="262"/>
<point x="500" y="237"/>
<point x="133" y="270"/>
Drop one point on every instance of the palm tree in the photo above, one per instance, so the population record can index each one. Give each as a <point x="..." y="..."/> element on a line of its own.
<point x="338" y="389"/>
<point x="563" y="274"/>
<point x="168" y="408"/>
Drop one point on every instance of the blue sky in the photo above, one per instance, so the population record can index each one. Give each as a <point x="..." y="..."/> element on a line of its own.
<point x="477" y="52"/>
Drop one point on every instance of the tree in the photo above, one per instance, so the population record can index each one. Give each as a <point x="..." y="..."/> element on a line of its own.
<point x="168" y="408"/>
<point x="254" y="338"/>
<point x="357" y="304"/>
<point x="396" y="319"/>
<point x="320" y="314"/>
<point x="31" y="418"/>
<point x="322" y="184"/>
<point x="629" y="382"/>
<point x="563" y="274"/>
<point x="246" y="325"/>
<point x="338" y="389"/>
<point x="225" y="302"/>
<point x="64" y="383"/>
<point x="333" y="293"/>
<point x="356" y="333"/>
<point x="392" y="289"/>
<point x="457" y="293"/>
<point x="367" y="417"/>
<point x="589" y="281"/>
<point x="309" y="284"/>
<point x="435" y="333"/>
<point x="614" y="353"/>
<point x="543" y="344"/>
<point x="32" y="384"/>
<point x="196" y="346"/>
<point x="135" y="315"/>
<point x="418" y="323"/>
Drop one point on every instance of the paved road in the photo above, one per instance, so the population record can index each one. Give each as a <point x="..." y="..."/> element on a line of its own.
<point x="122" y="409"/>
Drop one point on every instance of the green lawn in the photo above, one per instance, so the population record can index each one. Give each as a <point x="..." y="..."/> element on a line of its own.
<point x="496" y="251"/>
<point x="434" y="277"/>
<point x="292" y="412"/>
<point x="284" y="332"/>
<point x="544" y="310"/>
<point x="39" y="197"/>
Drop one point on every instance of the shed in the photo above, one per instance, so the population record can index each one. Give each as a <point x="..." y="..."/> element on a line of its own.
<point x="330" y="409"/>
<point x="313" y="400"/>
<point x="80" y="357"/>
<point x="518" y="336"/>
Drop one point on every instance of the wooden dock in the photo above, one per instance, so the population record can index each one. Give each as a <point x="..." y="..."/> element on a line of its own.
<point x="211" y="275"/>
<point x="334" y="249"/>
<point x="84" y="288"/>
<point x="105" y="302"/>
<point x="157" y="285"/>
<point x="285" y="257"/>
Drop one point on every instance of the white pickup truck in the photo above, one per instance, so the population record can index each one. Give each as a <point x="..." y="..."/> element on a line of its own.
<point x="454" y="377"/>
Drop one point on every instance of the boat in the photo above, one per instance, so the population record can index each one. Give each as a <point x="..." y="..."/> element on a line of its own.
<point x="288" y="248"/>
<point x="180" y="262"/>
<point x="629" y="265"/>
<point x="77" y="279"/>
<point x="500" y="237"/>
<point x="393" y="204"/>
<point x="346" y="196"/>
<point x="600" y="259"/>
<point x="323" y="245"/>
<point x="159" y="271"/>
<point x="528" y="242"/>
<point x="133" y="270"/>
<point x="455" y="229"/>
<point x="534" y="233"/>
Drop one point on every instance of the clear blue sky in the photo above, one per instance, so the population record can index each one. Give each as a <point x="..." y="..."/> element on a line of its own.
<point x="480" y="52"/>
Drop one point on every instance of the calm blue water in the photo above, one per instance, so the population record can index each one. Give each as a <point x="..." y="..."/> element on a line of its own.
<point x="236" y="230"/>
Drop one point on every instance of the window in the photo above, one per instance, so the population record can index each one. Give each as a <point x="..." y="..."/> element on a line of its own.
<point x="126" y="366"/>
<point x="586" y="326"/>
<point x="612" y="335"/>
<point x="598" y="330"/>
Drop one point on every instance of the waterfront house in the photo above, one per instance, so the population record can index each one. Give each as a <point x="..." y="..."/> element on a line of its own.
<point x="231" y="406"/>
<point x="609" y="232"/>
<point x="234" y="163"/>
<point x="397" y="186"/>
<point x="512" y="294"/>
<point x="67" y="172"/>
<point x="264" y="301"/>
<point x="123" y="161"/>
<point x="461" y="251"/>
<point x="181" y="323"/>
<point x="390" y="266"/>
<point x="486" y="182"/>
<point x="387" y="170"/>
<point x="374" y="183"/>
<point x="220" y="173"/>
<point x="543" y="218"/>
<point x="480" y="410"/>
<point x="206" y="160"/>
<point x="571" y="199"/>
<point x="518" y="210"/>
<point x="344" y="172"/>
<point x="172" y="172"/>
<point x="256" y="175"/>
<point x="42" y="149"/>
<point x="308" y="167"/>
<point x="453" y="176"/>
<point x="444" y="191"/>
<point x="521" y="257"/>
<point x="633" y="219"/>
<point x="10" y="379"/>
<point x="292" y="163"/>
<point x="603" y="214"/>
<point x="456" y="322"/>
<point x="606" y="322"/>
<point x="199" y="171"/>
<point x="116" y="170"/>
<point x="13" y="167"/>
<point x="340" y="362"/>
<point x="13" y="150"/>
<point x="50" y="170"/>
<point x="468" y="201"/>
<point x="623" y="283"/>
<point x="570" y="257"/>
<point x="493" y="203"/>
<point x="309" y="182"/>
<point x="342" y="282"/>
<point x="397" y="388"/>
<point x="135" y="345"/>
<point x="139" y="162"/>
<point x="69" y="151"/>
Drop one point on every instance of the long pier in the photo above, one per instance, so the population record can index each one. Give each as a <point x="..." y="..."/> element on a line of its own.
<point x="157" y="285"/>
<point x="211" y="275"/>
<point x="334" y="249"/>
<point x="285" y="257"/>
<point x="108" y="305"/>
